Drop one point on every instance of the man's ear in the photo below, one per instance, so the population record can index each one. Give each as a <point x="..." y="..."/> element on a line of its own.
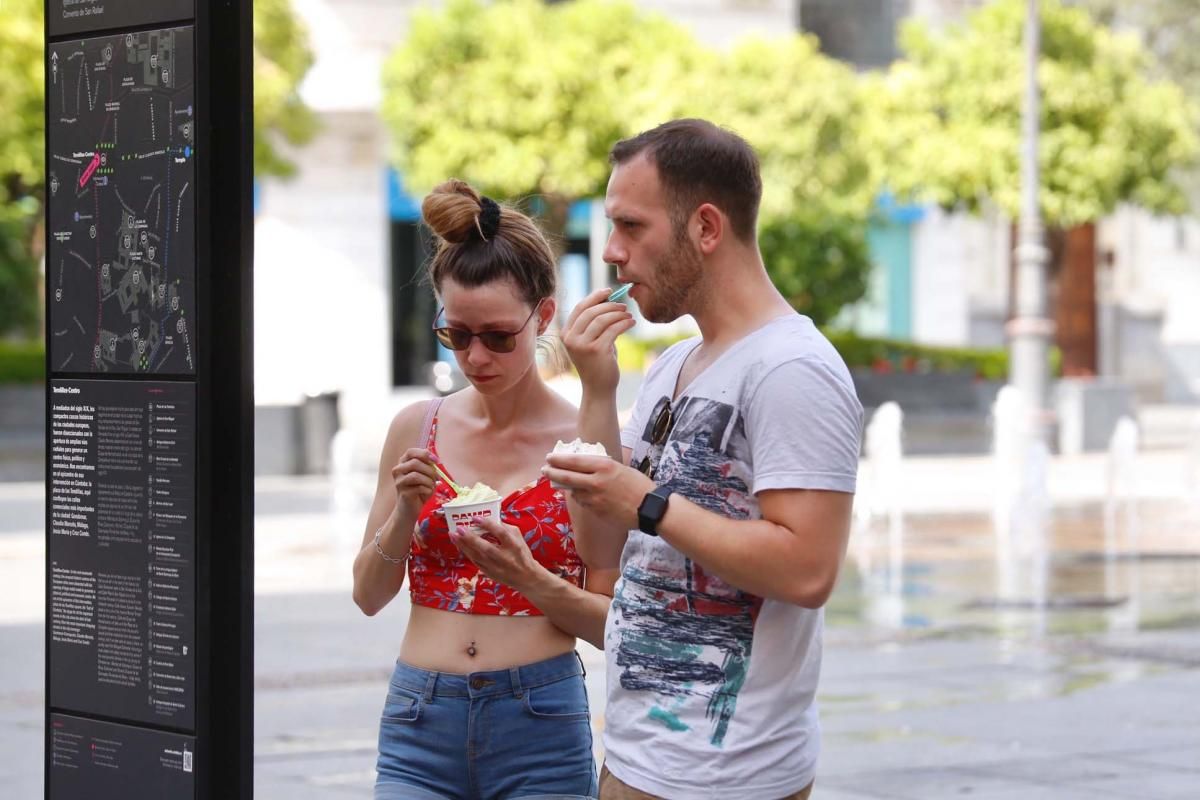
<point x="546" y="314"/>
<point x="710" y="223"/>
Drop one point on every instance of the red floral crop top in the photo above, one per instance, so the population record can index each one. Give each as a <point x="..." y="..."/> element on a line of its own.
<point x="440" y="576"/>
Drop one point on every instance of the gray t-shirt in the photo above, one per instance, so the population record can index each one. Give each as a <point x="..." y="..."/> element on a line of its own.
<point x="711" y="689"/>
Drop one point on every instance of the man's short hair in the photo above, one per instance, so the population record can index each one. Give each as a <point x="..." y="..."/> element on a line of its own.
<point x="699" y="162"/>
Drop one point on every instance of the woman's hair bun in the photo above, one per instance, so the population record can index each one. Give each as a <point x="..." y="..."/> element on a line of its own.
<point x="479" y="241"/>
<point x="452" y="211"/>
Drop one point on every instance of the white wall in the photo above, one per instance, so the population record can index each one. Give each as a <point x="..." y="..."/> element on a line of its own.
<point x="322" y="266"/>
<point x="722" y="22"/>
<point x="942" y="12"/>
<point x="941" y="259"/>
<point x="1155" y="279"/>
<point x="960" y="278"/>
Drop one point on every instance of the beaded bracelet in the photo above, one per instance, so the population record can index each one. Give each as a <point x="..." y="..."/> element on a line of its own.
<point x="379" y="549"/>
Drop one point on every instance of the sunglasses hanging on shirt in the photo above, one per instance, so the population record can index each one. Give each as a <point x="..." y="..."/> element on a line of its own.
<point x="659" y="431"/>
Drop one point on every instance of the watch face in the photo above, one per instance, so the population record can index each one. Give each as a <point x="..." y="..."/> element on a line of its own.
<point x="652" y="509"/>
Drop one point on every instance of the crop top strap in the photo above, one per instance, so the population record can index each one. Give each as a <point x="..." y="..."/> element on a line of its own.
<point x="427" y="423"/>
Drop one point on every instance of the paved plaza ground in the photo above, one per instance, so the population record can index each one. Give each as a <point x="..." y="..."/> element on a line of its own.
<point x="949" y="671"/>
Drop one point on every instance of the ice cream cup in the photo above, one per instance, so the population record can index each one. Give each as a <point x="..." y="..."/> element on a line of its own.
<point x="467" y="513"/>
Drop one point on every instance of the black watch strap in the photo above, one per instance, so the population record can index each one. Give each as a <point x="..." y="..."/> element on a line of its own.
<point x="652" y="510"/>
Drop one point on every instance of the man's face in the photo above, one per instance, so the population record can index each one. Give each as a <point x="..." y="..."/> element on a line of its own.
<point x="647" y="247"/>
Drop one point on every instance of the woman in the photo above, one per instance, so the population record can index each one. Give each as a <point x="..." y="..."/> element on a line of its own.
<point x="487" y="699"/>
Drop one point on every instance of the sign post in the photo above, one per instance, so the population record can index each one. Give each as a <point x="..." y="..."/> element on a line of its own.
<point x="149" y="404"/>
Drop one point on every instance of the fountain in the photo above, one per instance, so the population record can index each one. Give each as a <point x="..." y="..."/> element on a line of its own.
<point x="1121" y="522"/>
<point x="1120" y="503"/>
<point x="1020" y="505"/>
<point x="880" y="498"/>
<point x="344" y="500"/>
<point x="1192" y="487"/>
<point x="1021" y="460"/>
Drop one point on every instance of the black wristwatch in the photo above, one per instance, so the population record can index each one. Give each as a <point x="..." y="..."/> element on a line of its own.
<point x="652" y="509"/>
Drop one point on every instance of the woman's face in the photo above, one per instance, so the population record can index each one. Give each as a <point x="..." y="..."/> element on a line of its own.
<point x="499" y="310"/>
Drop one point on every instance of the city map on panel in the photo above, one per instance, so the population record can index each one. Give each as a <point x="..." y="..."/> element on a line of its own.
<point x="121" y="262"/>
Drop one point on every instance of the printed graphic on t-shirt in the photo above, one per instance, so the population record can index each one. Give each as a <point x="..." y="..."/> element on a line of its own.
<point x="682" y="635"/>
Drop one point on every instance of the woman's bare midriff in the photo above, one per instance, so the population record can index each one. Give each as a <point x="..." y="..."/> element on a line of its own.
<point x="439" y="640"/>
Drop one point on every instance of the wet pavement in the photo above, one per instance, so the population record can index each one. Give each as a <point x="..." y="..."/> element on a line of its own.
<point x="957" y="667"/>
<point x="952" y="667"/>
<point x="946" y="573"/>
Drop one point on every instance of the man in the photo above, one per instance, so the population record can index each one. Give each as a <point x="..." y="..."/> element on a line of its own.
<point x="729" y="509"/>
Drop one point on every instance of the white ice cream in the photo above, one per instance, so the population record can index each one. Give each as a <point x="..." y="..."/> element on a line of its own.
<point x="580" y="447"/>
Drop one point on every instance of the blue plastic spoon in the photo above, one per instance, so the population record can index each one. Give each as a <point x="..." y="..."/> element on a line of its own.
<point x="619" y="295"/>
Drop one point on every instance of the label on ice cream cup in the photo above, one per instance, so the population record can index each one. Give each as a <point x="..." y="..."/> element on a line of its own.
<point x="467" y="513"/>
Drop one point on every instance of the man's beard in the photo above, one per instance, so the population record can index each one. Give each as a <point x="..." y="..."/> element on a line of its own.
<point x="676" y="280"/>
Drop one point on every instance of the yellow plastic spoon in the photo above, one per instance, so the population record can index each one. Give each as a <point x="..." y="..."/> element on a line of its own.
<point x="454" y="487"/>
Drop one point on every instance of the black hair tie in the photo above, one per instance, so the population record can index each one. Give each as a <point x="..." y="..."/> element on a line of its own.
<point x="489" y="217"/>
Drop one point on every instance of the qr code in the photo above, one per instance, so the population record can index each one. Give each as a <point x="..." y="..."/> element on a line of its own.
<point x="187" y="760"/>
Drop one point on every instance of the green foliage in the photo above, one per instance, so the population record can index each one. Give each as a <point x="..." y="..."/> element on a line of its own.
<point x="22" y="361"/>
<point x="19" y="309"/>
<point x="884" y="355"/>
<point x="889" y="355"/>
<point x="803" y="113"/>
<point x="21" y="97"/>
<point x="524" y="98"/>
<point x="21" y="135"/>
<point x="948" y="128"/>
<point x="282" y="57"/>
<point x="1169" y="29"/>
<point x="464" y="98"/>
<point x="819" y="264"/>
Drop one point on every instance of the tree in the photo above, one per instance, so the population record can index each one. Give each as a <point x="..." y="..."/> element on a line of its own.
<point x="819" y="263"/>
<point x="521" y="98"/>
<point x="803" y="113"/>
<point x="1168" y="28"/>
<point x="949" y="132"/>
<point x="21" y="97"/>
<point x="281" y="58"/>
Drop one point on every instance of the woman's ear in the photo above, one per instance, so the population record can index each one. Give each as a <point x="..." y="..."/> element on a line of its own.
<point x="546" y="314"/>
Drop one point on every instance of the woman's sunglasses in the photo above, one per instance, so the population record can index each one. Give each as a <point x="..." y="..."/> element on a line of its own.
<point x="496" y="341"/>
<point x="658" y="435"/>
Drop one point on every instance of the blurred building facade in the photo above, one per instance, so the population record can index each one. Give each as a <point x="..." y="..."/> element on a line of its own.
<point x="944" y="279"/>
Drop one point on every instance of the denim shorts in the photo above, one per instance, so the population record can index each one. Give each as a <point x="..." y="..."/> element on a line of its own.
<point x="513" y="733"/>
